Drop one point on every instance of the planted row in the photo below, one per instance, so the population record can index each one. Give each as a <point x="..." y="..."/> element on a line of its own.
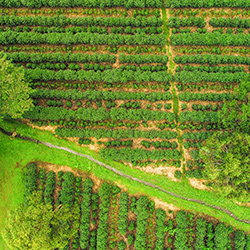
<point x="212" y="59"/>
<point x="61" y="21"/>
<point x="230" y="22"/>
<point x="138" y="59"/>
<point x="110" y="76"/>
<point x="176" y="22"/>
<point x="209" y="39"/>
<point x="13" y="37"/>
<point x="130" y="155"/>
<point x="100" y="114"/>
<point x="95" y="95"/>
<point x="60" y="57"/>
<point x="199" y="116"/>
<point x="88" y="3"/>
<point x="222" y="69"/>
<point x="115" y="133"/>
<point x="159" y="144"/>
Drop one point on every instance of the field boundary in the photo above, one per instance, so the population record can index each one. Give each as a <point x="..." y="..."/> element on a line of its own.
<point x="50" y="145"/>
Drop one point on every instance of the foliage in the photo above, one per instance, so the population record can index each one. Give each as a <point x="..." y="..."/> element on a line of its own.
<point x="160" y="227"/>
<point x="102" y="231"/>
<point x="142" y="215"/>
<point x="14" y="90"/>
<point x="39" y="226"/>
<point x="85" y="215"/>
<point x="66" y="194"/>
<point x="30" y="181"/>
<point x="176" y="22"/>
<point x="226" y="157"/>
<point x="138" y="154"/>
<point x="49" y="188"/>
<point x="200" y="234"/>
<point x="123" y="213"/>
<point x="181" y="231"/>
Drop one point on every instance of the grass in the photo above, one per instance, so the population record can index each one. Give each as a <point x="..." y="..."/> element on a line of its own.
<point x="17" y="150"/>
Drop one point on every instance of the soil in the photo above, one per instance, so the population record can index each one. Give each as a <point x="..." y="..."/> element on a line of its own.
<point x="198" y="184"/>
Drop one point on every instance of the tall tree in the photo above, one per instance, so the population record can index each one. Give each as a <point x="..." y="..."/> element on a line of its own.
<point x="226" y="153"/>
<point x="39" y="226"/>
<point x="14" y="90"/>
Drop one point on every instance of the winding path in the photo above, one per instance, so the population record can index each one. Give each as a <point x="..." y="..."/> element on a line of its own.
<point x="228" y="212"/>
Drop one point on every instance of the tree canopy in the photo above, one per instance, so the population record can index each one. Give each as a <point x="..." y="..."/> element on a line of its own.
<point x="226" y="153"/>
<point x="14" y="90"/>
<point x="39" y="226"/>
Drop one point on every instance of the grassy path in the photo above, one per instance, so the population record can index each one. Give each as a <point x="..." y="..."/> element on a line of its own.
<point x="176" y="106"/>
<point x="228" y="212"/>
<point x="22" y="152"/>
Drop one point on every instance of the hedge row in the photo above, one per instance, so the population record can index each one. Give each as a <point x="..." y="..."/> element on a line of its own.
<point x="130" y="155"/>
<point x="30" y="180"/>
<point x="199" y="116"/>
<point x="138" y="59"/>
<point x="109" y="76"/>
<point x="209" y="39"/>
<point x="95" y="95"/>
<point x="66" y="194"/>
<point x="176" y="22"/>
<point x="123" y="213"/>
<point x="207" y="3"/>
<point x="85" y="213"/>
<point x="100" y="114"/>
<point x="159" y="144"/>
<point x="83" y="3"/>
<point x="13" y="37"/>
<point x="160" y="229"/>
<point x="181" y="231"/>
<point x="102" y="231"/>
<point x="200" y="234"/>
<point x="197" y="76"/>
<point x="116" y="134"/>
<point x="142" y="216"/>
<point x="222" y="69"/>
<point x="60" y="57"/>
<point x="49" y="188"/>
<point x="221" y="237"/>
<point x="188" y="96"/>
<point x="212" y="59"/>
<point x="62" y="21"/>
<point x="201" y="135"/>
<point x="230" y="22"/>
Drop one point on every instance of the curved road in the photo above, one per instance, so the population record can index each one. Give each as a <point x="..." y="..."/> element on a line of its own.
<point x="228" y="212"/>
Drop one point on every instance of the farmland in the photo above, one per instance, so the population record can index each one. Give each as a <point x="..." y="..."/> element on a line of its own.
<point x="138" y="85"/>
<point x="140" y="82"/>
<point x="110" y="217"/>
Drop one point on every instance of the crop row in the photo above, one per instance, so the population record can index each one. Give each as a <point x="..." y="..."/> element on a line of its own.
<point x="115" y="133"/>
<point x="100" y="114"/>
<point x="88" y="3"/>
<point x="110" y="76"/>
<point x="222" y="69"/>
<point x="159" y="144"/>
<point x="212" y="59"/>
<point x="130" y="155"/>
<point x="95" y="95"/>
<point x="207" y="3"/>
<point x="60" y="57"/>
<point x="199" y="76"/>
<point x="13" y="37"/>
<point x="96" y="225"/>
<point x="214" y="97"/>
<point x="62" y="21"/>
<point x="176" y="22"/>
<point x="199" y="116"/>
<point x="230" y="22"/>
<point x="209" y="39"/>
<point x="138" y="59"/>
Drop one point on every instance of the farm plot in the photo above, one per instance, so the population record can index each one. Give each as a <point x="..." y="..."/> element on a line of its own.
<point x="210" y="50"/>
<point x="99" y="74"/>
<point x="111" y="218"/>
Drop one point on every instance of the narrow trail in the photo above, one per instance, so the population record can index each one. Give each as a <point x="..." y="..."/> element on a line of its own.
<point x="226" y="211"/>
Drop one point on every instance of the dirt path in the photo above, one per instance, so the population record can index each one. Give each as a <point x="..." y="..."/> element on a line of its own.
<point x="226" y="211"/>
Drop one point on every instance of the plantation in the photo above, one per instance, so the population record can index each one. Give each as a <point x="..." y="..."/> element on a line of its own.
<point x="144" y="83"/>
<point x="111" y="218"/>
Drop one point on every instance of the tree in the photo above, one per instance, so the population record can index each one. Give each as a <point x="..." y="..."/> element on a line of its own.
<point x="14" y="90"/>
<point x="226" y="153"/>
<point x="39" y="226"/>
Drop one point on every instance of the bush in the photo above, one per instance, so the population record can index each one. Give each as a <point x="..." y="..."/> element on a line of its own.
<point x="123" y="213"/>
<point x="178" y="174"/>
